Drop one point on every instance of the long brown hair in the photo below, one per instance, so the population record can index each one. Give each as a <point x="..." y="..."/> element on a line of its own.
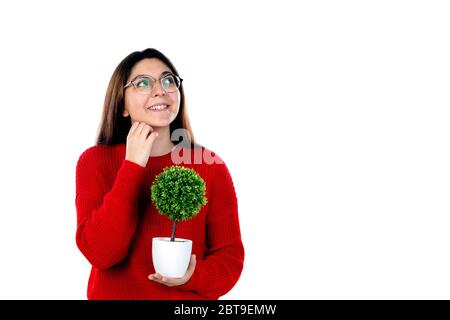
<point x="114" y="126"/>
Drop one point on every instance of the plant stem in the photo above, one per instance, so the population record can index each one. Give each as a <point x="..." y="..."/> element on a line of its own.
<point x="174" y="228"/>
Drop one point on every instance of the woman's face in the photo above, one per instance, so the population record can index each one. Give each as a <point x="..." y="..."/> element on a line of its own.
<point x="138" y="105"/>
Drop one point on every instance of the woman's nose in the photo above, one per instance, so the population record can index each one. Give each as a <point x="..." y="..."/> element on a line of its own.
<point x="158" y="89"/>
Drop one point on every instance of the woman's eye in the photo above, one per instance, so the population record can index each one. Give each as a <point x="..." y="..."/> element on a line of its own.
<point x="168" y="80"/>
<point x="142" y="83"/>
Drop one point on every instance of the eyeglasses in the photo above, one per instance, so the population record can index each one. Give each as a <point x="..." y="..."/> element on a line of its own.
<point x="145" y="84"/>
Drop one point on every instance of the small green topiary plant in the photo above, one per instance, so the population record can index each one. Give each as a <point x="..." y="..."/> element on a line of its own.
<point x="179" y="194"/>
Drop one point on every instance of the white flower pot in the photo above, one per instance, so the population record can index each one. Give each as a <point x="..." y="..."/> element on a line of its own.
<point x="171" y="258"/>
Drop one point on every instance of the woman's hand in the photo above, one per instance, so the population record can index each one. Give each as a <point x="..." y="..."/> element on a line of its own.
<point x="170" y="282"/>
<point x="139" y="143"/>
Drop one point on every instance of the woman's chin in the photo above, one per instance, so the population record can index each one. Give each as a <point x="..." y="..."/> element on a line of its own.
<point x="158" y="124"/>
<point x="155" y="122"/>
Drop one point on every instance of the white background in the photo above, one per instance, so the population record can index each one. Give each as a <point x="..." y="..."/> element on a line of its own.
<point x="332" y="116"/>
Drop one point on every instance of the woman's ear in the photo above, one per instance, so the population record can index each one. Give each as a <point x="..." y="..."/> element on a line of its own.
<point x="125" y="113"/>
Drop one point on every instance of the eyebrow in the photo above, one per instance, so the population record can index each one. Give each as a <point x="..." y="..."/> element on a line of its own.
<point x="147" y="75"/>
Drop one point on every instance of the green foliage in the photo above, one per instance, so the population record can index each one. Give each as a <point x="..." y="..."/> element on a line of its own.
<point x="178" y="193"/>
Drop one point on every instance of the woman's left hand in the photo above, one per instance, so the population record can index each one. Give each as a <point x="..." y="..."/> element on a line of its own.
<point x="171" y="282"/>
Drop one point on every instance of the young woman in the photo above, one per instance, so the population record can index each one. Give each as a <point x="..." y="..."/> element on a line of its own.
<point x="144" y="110"/>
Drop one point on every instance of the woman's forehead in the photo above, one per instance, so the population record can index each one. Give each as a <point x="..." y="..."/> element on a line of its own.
<point x="151" y="67"/>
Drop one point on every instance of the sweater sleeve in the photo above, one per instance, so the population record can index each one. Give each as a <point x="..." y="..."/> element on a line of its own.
<point x="222" y="265"/>
<point x="106" y="221"/>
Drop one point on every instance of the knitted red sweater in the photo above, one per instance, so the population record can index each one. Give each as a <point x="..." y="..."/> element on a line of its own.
<point x="116" y="222"/>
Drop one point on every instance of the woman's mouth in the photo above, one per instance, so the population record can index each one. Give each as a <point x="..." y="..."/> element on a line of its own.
<point x="158" y="107"/>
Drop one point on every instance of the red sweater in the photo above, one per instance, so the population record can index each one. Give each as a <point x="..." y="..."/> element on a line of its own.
<point x="116" y="222"/>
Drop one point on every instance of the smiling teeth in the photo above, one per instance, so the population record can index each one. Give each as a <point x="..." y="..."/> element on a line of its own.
<point x="158" y="107"/>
